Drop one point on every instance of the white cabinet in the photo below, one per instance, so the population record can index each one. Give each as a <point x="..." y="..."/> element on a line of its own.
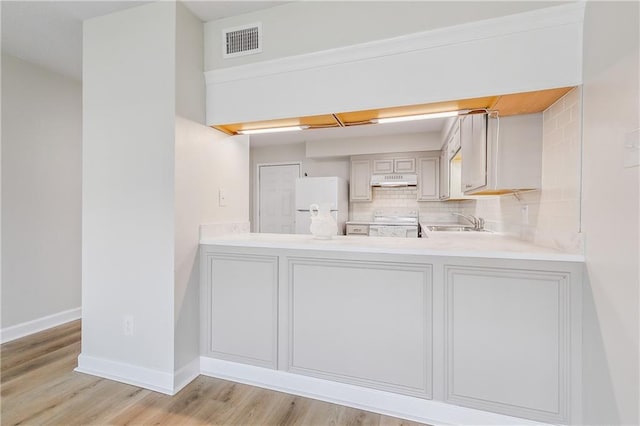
<point x="429" y="179"/>
<point x="394" y="165"/>
<point x="383" y="166"/>
<point x="473" y="140"/>
<point x="494" y="334"/>
<point x="444" y="174"/>
<point x="360" y="183"/>
<point x="404" y="165"/>
<point x="362" y="229"/>
<point x="501" y="155"/>
<point x="455" y="179"/>
<point x="354" y="321"/>
<point x="448" y="151"/>
<point x="240" y="307"/>
<point x="508" y="337"/>
<point x="454" y="138"/>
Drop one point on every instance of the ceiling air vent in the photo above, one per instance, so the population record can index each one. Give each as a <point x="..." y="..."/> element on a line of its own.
<point x="240" y="41"/>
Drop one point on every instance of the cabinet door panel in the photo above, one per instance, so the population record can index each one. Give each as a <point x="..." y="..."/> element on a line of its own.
<point x="404" y="165"/>
<point x="429" y="179"/>
<point x="242" y="308"/>
<point x="384" y="166"/>
<point x="506" y="341"/>
<point x="473" y="140"/>
<point x="360" y="183"/>
<point x="360" y="322"/>
<point x="444" y="174"/>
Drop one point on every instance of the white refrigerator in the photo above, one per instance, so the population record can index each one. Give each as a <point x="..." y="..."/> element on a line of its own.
<point x="331" y="191"/>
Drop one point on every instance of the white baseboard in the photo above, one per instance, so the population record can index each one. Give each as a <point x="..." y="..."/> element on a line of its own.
<point x="186" y="375"/>
<point x="154" y="380"/>
<point x="386" y="403"/>
<point x="17" y="331"/>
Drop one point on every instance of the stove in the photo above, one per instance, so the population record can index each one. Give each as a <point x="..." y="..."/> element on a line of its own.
<point x="402" y="225"/>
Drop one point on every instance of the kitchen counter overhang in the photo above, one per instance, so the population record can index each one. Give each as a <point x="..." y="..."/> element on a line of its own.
<point x="471" y="244"/>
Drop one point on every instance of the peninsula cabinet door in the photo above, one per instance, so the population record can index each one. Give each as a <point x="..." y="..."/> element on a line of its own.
<point x="241" y="308"/>
<point x="361" y="322"/>
<point x="507" y="339"/>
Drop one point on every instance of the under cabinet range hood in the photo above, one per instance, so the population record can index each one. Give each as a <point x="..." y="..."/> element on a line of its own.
<point x="394" y="180"/>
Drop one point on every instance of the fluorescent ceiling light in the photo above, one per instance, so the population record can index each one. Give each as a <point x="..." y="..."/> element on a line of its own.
<point x="415" y="117"/>
<point x="272" y="130"/>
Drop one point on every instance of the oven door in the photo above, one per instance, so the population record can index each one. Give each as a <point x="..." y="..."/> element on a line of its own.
<point x="398" y="231"/>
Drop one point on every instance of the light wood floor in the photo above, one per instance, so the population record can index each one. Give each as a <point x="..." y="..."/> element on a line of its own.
<point x="39" y="387"/>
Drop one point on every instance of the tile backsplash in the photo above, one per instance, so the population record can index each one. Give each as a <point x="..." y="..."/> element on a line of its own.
<point x="549" y="216"/>
<point x="401" y="200"/>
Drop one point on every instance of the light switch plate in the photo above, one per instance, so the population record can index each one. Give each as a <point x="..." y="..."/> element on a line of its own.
<point x="632" y="149"/>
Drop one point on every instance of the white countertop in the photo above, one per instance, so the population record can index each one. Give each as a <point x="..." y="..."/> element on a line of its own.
<point x="362" y="222"/>
<point x="464" y="244"/>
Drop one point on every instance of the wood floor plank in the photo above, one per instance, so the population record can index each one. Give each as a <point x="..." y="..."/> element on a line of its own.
<point x="18" y="352"/>
<point x="394" y="421"/>
<point x="355" y="417"/>
<point x="38" y="386"/>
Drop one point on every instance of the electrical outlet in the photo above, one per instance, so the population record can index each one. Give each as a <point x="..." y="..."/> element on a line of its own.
<point x="127" y="325"/>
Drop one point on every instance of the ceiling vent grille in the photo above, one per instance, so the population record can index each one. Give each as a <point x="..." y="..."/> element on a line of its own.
<point x="240" y="41"/>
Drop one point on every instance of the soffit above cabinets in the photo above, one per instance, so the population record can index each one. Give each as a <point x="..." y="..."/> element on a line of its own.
<point x="506" y="105"/>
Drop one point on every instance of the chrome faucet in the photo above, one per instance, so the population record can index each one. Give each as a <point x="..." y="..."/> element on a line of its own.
<point x="477" y="222"/>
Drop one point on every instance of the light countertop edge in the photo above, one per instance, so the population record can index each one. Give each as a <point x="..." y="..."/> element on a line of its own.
<point x="487" y="246"/>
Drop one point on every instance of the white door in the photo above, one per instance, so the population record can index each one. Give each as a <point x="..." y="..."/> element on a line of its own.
<point x="276" y="197"/>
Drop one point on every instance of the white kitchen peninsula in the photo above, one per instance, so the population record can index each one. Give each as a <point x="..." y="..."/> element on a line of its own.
<point x="415" y="327"/>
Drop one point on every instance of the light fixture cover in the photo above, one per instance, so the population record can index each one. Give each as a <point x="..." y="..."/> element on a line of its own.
<point x="272" y="130"/>
<point x="416" y="117"/>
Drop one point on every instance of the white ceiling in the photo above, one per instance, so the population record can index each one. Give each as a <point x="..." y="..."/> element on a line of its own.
<point x="49" y="33"/>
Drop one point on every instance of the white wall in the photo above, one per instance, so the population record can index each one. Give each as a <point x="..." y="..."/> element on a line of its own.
<point x="335" y="166"/>
<point x="301" y="27"/>
<point x="41" y="192"/>
<point x="152" y="170"/>
<point x="129" y="107"/>
<point x="531" y="51"/>
<point x="190" y="183"/>
<point x="610" y="214"/>
<point x="205" y="161"/>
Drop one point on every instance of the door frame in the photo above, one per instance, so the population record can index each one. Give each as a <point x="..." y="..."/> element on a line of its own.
<point x="256" y="206"/>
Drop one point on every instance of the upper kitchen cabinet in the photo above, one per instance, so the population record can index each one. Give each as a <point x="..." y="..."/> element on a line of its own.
<point x="444" y="174"/>
<point x="360" y="182"/>
<point x="394" y="165"/>
<point x="404" y="165"/>
<point x="500" y="154"/>
<point x="383" y="166"/>
<point x="429" y="178"/>
<point x="473" y="140"/>
<point x="449" y="149"/>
